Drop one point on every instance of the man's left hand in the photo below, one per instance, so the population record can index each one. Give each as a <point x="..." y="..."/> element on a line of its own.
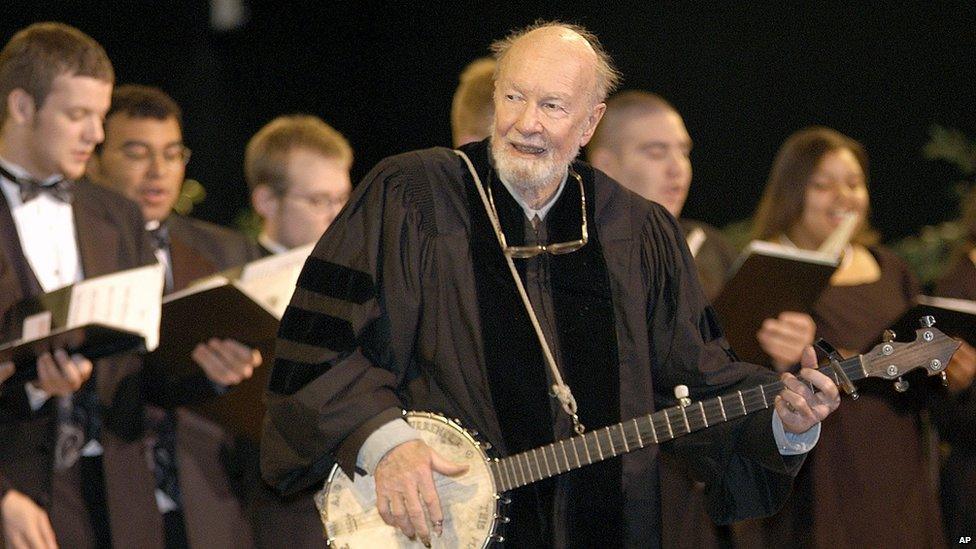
<point x="798" y="405"/>
<point x="226" y="361"/>
<point x="6" y="370"/>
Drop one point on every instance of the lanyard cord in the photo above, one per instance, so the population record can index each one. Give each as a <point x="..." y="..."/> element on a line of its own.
<point x="559" y="388"/>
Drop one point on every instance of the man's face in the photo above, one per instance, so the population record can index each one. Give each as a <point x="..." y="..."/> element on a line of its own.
<point x="61" y="136"/>
<point x="144" y="159"/>
<point x="653" y="159"/>
<point x="544" y="111"/>
<point x="317" y="189"/>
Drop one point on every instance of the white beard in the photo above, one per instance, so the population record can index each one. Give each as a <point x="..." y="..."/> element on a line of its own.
<point x="530" y="175"/>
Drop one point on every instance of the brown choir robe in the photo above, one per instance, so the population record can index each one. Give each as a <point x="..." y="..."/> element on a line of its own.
<point x="206" y="455"/>
<point x="714" y="258"/>
<point x="110" y="238"/>
<point x="868" y="483"/>
<point x="955" y="416"/>
<point x="406" y="303"/>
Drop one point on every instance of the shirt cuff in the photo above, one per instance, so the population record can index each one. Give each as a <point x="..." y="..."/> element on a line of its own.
<point x="791" y="444"/>
<point x="381" y="441"/>
<point x="35" y="397"/>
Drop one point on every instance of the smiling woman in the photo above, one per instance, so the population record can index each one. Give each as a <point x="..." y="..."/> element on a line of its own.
<point x="868" y="480"/>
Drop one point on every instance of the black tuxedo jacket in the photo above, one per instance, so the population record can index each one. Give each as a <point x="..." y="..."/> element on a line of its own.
<point x="111" y="237"/>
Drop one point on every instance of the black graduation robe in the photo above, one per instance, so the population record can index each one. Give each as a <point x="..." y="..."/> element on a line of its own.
<point x="390" y="314"/>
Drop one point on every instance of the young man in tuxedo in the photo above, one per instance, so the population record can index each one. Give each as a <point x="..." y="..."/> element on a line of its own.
<point x="72" y="450"/>
<point x="144" y="158"/>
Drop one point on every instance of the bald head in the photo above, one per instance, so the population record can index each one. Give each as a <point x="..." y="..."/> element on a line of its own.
<point x="622" y="109"/>
<point x="567" y="39"/>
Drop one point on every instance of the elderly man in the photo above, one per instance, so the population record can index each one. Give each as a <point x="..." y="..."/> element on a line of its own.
<point x="408" y="301"/>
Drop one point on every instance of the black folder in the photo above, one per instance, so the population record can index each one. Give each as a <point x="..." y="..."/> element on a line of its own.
<point x="954" y="317"/>
<point x="93" y="341"/>
<point x="769" y="279"/>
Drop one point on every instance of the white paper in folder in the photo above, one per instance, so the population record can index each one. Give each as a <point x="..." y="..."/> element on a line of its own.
<point x="128" y="300"/>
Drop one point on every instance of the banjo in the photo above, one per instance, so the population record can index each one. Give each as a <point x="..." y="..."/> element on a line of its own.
<point x="474" y="502"/>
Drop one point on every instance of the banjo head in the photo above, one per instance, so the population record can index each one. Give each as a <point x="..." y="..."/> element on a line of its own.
<point x="470" y="502"/>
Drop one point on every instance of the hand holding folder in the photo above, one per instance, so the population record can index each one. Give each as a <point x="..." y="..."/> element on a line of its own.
<point x="95" y="318"/>
<point x="243" y="304"/>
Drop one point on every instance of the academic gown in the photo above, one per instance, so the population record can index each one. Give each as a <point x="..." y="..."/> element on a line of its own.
<point x="406" y="303"/>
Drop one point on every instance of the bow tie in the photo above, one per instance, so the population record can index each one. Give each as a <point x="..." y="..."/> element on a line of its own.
<point x="159" y="237"/>
<point x="31" y="188"/>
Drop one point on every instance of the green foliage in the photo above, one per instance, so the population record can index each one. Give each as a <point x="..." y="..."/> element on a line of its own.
<point x="248" y="222"/>
<point x="738" y="233"/>
<point x="929" y="252"/>
<point x="192" y="193"/>
<point x="952" y="146"/>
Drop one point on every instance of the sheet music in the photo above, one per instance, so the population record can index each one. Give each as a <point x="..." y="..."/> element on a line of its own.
<point x="695" y="240"/>
<point x="271" y="281"/>
<point x="129" y="300"/>
<point x="37" y="326"/>
<point x="839" y="239"/>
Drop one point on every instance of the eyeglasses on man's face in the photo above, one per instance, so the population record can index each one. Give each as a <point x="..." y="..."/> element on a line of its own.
<point x="317" y="201"/>
<point x="556" y="248"/>
<point x="176" y="154"/>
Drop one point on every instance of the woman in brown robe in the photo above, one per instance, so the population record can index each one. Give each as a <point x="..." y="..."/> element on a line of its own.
<point x="867" y="483"/>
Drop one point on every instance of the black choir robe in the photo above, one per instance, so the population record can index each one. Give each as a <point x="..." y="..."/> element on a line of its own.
<point x="403" y="304"/>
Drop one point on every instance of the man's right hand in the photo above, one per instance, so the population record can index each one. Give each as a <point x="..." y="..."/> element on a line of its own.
<point x="405" y="488"/>
<point x="6" y="370"/>
<point x="60" y="374"/>
<point x="962" y="368"/>
<point x="25" y="525"/>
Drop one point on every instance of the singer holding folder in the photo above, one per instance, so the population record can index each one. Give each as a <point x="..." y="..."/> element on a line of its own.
<point x="643" y="143"/>
<point x="867" y="483"/>
<point x="143" y="157"/>
<point x="72" y="450"/>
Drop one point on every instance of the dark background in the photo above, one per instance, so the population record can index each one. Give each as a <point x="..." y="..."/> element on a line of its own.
<point x="744" y="77"/>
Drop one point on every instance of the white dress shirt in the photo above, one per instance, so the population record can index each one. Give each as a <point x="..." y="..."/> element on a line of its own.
<point x="46" y="227"/>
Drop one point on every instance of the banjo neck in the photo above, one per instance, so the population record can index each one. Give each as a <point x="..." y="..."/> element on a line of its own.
<point x="627" y="436"/>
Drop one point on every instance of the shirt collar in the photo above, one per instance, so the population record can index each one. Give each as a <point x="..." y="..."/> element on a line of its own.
<point x="271" y="244"/>
<point x="23" y="173"/>
<point x="529" y="211"/>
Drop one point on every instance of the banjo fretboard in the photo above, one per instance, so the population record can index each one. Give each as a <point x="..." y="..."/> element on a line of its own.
<point x="661" y="426"/>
